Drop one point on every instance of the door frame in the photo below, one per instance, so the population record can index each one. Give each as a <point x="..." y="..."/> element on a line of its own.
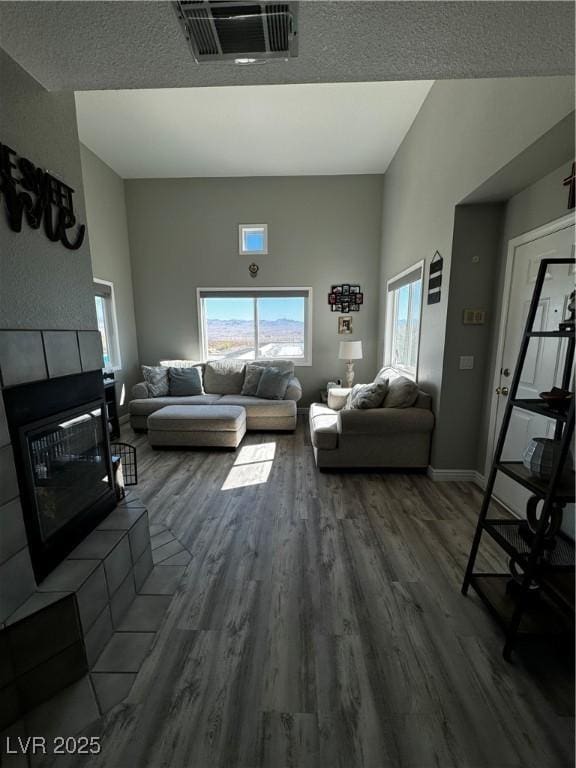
<point x="527" y="237"/>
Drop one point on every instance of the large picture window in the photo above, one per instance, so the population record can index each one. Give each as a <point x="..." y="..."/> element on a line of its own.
<point x="256" y="324"/>
<point x="403" y="313"/>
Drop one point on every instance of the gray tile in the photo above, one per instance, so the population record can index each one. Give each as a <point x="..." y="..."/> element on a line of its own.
<point x="8" y="478"/>
<point x="69" y="712"/>
<point x="97" y="545"/>
<point x="155" y="529"/>
<point x="163" y="580"/>
<point x="35" y="602"/>
<point x="143" y="567"/>
<point x="161" y="538"/>
<point x="10" y="705"/>
<point x="7" y="672"/>
<point x="62" y="353"/>
<point x="166" y="551"/>
<point x="53" y="675"/>
<point x="98" y="635"/>
<point x="68" y="576"/>
<point x="122" y="519"/>
<point x="21" y="357"/>
<point x="57" y="626"/>
<point x="12" y="531"/>
<point x="4" y="434"/>
<point x="131" y="500"/>
<point x="90" y="343"/>
<point x="180" y="558"/>
<point x="125" y="652"/>
<point x="139" y="537"/>
<point x="117" y="565"/>
<point x="16" y="583"/>
<point x="111" y="688"/>
<point x="122" y="599"/>
<point x="92" y="597"/>
<point x="146" y="614"/>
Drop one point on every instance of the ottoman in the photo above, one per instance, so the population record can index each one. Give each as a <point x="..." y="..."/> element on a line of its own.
<point x="205" y="426"/>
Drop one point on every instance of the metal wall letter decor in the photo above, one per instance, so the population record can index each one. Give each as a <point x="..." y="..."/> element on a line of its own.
<point x="34" y="194"/>
<point x="253" y="269"/>
<point x="435" y="278"/>
<point x="345" y="298"/>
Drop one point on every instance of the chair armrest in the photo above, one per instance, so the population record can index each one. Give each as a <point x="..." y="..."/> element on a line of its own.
<point x="140" y="391"/>
<point x="337" y="397"/>
<point x="293" y="390"/>
<point x="374" y="421"/>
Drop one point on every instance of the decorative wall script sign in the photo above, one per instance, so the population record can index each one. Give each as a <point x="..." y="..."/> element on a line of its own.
<point x="34" y="194"/>
<point x="435" y="278"/>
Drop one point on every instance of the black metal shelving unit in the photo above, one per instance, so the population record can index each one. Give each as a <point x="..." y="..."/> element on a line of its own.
<point x="523" y="610"/>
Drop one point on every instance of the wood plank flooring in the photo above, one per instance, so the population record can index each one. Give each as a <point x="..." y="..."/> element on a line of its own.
<point x="320" y="624"/>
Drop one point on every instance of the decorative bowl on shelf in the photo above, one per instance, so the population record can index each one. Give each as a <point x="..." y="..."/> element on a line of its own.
<point x="557" y="398"/>
<point x="540" y="456"/>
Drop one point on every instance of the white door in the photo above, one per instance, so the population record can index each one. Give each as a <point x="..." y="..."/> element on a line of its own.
<point x="543" y="366"/>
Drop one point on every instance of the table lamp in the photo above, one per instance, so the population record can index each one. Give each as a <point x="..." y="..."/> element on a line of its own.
<point x="350" y="350"/>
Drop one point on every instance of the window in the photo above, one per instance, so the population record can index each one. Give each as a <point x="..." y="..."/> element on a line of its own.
<point x="107" y="324"/>
<point x="250" y="324"/>
<point x="403" y="311"/>
<point x="252" y="239"/>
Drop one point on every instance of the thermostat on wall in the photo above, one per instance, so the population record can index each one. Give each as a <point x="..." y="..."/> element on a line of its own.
<point x="474" y="317"/>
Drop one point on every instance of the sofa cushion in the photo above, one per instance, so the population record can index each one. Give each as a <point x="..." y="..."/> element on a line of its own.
<point x="182" y="418"/>
<point x="156" y="378"/>
<point x="402" y="393"/>
<point x="386" y="421"/>
<point x="283" y="365"/>
<point x="337" y="397"/>
<point x="257" y="406"/>
<point x="224" y="377"/>
<point x="324" y="426"/>
<point x="293" y="390"/>
<point x="252" y="375"/>
<point x="184" y="382"/>
<point x="273" y="383"/>
<point x="151" y="404"/>
<point x="367" y="396"/>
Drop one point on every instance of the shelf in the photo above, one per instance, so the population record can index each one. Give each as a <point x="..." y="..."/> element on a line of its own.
<point x="507" y="534"/>
<point x="551" y="334"/>
<point x="517" y="471"/>
<point x="541" y="617"/>
<point x="539" y="406"/>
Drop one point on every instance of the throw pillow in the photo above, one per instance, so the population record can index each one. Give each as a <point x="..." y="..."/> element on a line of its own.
<point x="252" y="379"/>
<point x="365" y="396"/>
<point x="273" y="384"/>
<point x="224" y="377"/>
<point x="402" y="393"/>
<point x="184" y="382"/>
<point x="156" y="378"/>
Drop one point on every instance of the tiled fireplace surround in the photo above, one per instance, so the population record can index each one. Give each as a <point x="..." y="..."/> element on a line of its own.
<point x="52" y="633"/>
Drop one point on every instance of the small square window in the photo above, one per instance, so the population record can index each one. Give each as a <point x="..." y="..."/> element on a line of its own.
<point x="252" y="239"/>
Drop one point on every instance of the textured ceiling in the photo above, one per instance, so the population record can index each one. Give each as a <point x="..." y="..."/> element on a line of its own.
<point x="113" y="45"/>
<point x="266" y="130"/>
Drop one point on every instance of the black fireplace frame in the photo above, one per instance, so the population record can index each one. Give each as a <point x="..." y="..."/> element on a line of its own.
<point x="31" y="406"/>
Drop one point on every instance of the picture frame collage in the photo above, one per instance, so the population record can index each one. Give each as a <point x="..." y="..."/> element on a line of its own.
<point x="345" y="298"/>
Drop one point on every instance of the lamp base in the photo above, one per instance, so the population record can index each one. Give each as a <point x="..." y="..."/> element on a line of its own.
<point x="349" y="374"/>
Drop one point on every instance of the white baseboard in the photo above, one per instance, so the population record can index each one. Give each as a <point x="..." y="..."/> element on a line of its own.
<point x="456" y="476"/>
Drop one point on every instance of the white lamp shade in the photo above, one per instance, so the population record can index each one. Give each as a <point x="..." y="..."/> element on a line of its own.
<point x="350" y="350"/>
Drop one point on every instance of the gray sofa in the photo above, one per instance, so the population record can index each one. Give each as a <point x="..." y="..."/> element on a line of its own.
<point x="223" y="389"/>
<point x="375" y="438"/>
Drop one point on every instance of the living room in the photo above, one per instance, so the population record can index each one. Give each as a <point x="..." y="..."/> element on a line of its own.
<point x="282" y="585"/>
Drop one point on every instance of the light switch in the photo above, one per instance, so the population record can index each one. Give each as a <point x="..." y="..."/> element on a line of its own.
<point x="466" y="362"/>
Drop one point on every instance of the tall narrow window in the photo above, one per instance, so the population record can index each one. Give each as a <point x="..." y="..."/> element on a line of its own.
<point x="403" y="312"/>
<point x="107" y="324"/>
<point x="256" y="324"/>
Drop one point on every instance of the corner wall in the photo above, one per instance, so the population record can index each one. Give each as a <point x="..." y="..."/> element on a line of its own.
<point x="464" y="133"/>
<point x="109" y="246"/>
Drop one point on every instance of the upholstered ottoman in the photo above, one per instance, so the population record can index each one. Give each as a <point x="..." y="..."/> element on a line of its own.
<point x="206" y="426"/>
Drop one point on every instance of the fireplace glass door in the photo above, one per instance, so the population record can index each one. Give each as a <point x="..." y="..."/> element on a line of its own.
<point x="68" y="463"/>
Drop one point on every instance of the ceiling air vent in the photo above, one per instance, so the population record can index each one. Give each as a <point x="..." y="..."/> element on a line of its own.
<point x="243" y="32"/>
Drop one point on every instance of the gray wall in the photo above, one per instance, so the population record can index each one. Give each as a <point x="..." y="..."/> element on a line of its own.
<point x="42" y="284"/>
<point x="107" y="223"/>
<point x="322" y="230"/>
<point x="465" y="132"/>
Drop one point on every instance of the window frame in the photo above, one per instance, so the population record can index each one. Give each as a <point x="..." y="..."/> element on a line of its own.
<point x="247" y="252"/>
<point x="111" y="324"/>
<point x="237" y="292"/>
<point x="390" y="307"/>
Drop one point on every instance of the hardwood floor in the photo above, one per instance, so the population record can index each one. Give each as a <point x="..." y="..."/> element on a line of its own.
<point x="320" y="623"/>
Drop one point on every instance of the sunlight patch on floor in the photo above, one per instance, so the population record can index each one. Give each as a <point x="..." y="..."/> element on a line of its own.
<point x="252" y="466"/>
